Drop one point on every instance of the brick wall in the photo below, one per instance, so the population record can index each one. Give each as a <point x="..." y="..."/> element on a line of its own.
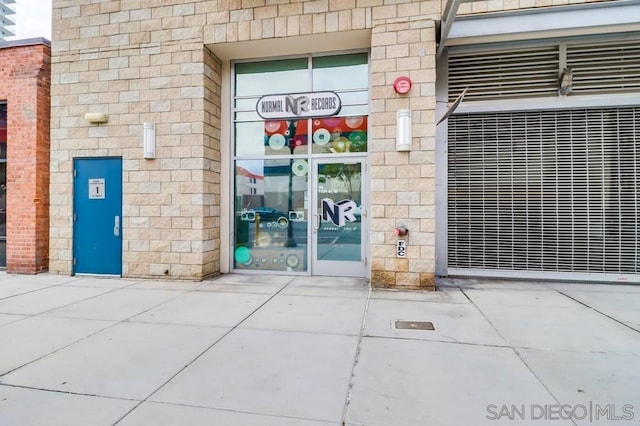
<point x="25" y="86"/>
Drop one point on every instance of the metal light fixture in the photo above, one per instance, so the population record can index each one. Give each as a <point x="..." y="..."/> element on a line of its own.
<point x="149" y="141"/>
<point x="96" y="117"/>
<point x="403" y="130"/>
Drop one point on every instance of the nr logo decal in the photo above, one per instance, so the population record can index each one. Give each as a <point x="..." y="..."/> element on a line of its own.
<point x="338" y="213"/>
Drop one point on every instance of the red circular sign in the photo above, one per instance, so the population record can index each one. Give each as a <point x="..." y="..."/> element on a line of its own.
<point x="402" y="85"/>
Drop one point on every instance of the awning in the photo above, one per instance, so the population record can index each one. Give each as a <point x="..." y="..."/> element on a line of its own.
<point x="544" y="22"/>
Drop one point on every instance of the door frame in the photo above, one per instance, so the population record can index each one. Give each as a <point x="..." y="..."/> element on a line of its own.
<point x="338" y="268"/>
<point x="75" y="245"/>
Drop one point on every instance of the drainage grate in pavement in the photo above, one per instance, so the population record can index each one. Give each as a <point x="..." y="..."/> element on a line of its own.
<point x="414" y="325"/>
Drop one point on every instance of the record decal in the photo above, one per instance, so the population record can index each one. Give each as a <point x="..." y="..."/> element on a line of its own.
<point x="321" y="136"/>
<point x="277" y="141"/>
<point x="300" y="167"/>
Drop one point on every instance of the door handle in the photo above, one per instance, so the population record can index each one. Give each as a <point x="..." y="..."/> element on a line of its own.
<point x="116" y="227"/>
<point x="316" y="225"/>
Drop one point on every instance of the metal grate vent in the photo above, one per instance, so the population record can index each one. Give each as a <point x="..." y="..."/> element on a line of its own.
<point x="606" y="68"/>
<point x="504" y="74"/>
<point x="545" y="191"/>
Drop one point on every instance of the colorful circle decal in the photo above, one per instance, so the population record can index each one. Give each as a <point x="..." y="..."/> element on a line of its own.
<point x="332" y="122"/>
<point x="321" y="136"/>
<point x="272" y="126"/>
<point x="353" y="122"/>
<point x="293" y="261"/>
<point x="300" y="167"/>
<point x="358" y="136"/>
<point x="341" y="145"/>
<point x="277" y="141"/>
<point x="242" y="255"/>
<point x="283" y="222"/>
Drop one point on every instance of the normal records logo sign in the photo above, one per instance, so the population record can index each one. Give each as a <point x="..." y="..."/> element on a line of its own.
<point x="298" y="105"/>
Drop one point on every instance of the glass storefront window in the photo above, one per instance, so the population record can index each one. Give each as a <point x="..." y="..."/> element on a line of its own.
<point x="339" y="135"/>
<point x="270" y="214"/>
<point x="341" y="72"/>
<point x="274" y="186"/>
<point x="263" y="78"/>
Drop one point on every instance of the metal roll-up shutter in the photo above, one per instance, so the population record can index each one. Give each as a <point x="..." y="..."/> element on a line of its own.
<point x="546" y="191"/>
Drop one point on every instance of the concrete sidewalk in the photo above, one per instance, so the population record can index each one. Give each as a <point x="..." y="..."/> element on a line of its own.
<point x="278" y="350"/>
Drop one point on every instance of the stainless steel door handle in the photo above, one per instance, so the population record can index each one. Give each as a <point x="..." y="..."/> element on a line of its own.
<point x="116" y="227"/>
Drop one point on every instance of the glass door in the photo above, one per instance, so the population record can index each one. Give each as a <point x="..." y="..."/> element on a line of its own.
<point x="338" y="237"/>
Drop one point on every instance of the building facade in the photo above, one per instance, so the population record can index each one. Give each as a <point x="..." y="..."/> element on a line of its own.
<point x="258" y="136"/>
<point x="24" y="155"/>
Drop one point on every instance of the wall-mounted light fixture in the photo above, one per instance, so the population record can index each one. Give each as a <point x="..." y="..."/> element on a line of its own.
<point x="96" y="117"/>
<point x="149" y="140"/>
<point x="403" y="130"/>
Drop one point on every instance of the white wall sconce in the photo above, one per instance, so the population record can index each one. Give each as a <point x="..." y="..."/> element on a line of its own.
<point x="96" y="117"/>
<point x="403" y="130"/>
<point x="149" y="141"/>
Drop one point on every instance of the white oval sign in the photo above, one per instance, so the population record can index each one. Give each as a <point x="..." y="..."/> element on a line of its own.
<point x="299" y="105"/>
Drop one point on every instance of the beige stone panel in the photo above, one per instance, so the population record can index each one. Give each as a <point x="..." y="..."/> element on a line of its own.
<point x="407" y="64"/>
<point x="422" y="185"/>
<point x="410" y="9"/>
<point x="380" y="38"/>
<point x="293" y="26"/>
<point x="256" y="29"/>
<point x="409" y="198"/>
<point x="376" y="238"/>
<point x="358" y="19"/>
<point x="344" y="20"/>
<point x="383" y="278"/>
<point x="422" y="211"/>
<point x="396" y="212"/>
<point x="427" y="225"/>
<point x="397" y="51"/>
<point x="291" y="9"/>
<point x="428" y="170"/>
<point x="427" y="198"/>
<point x="332" y="22"/>
<point x="315" y="6"/>
<point x="318" y="24"/>
<point x="368" y="3"/>
<point x="382" y="225"/>
<point x="384" y="12"/>
<point x="383" y="172"/>
<point x="396" y="265"/>
<point x="341" y="4"/>
<point x="407" y="279"/>
<point x="167" y="258"/>
<point x="377" y="158"/>
<point x="383" y="251"/>
<point x="281" y="26"/>
<point x="396" y="185"/>
<point x="377" y="184"/>
<point x="265" y="12"/>
<point x="306" y="24"/>
<point x="219" y="17"/>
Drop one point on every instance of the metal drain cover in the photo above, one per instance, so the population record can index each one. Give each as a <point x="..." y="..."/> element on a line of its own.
<point x="414" y="325"/>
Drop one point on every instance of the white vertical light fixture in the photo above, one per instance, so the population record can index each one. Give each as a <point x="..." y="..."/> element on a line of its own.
<point x="403" y="130"/>
<point x="149" y="141"/>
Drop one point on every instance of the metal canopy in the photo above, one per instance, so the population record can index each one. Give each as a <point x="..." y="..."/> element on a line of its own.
<point x="547" y="22"/>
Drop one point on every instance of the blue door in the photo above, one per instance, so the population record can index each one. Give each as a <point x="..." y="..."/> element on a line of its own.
<point x="97" y="216"/>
